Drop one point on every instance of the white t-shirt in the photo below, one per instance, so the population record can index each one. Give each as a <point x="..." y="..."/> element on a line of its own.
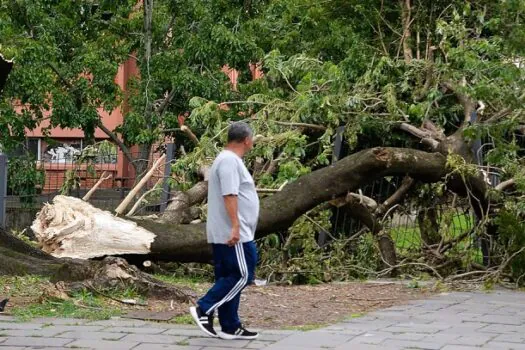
<point x="229" y="176"/>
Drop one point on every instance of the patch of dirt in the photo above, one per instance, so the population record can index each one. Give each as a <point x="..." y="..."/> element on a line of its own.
<point x="319" y="304"/>
<point x="280" y="307"/>
<point x="276" y="307"/>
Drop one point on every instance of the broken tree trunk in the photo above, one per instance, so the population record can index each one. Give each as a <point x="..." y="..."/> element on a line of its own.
<point x="19" y="258"/>
<point x="179" y="209"/>
<point x="161" y="240"/>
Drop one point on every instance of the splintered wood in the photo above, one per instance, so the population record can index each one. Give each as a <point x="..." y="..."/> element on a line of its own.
<point x="72" y="228"/>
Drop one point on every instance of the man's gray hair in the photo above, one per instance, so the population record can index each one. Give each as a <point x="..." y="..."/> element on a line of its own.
<point x="239" y="131"/>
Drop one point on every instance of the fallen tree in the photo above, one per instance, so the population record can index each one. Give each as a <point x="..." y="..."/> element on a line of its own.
<point x="72" y="228"/>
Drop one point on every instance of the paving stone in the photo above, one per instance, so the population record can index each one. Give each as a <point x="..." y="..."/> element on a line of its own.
<point x="234" y="344"/>
<point x="7" y="318"/>
<point x="315" y="340"/>
<point x="166" y="346"/>
<point x="506" y="320"/>
<point x="184" y="332"/>
<point x="153" y="338"/>
<point x="510" y="338"/>
<point x="101" y="344"/>
<point x="81" y="328"/>
<point x="92" y="335"/>
<point x="471" y="340"/>
<point x="503" y="345"/>
<point x="363" y="347"/>
<point x="272" y="337"/>
<point x="60" y="321"/>
<point x="10" y="325"/>
<point x="370" y="338"/>
<point x="499" y="328"/>
<point x="405" y="336"/>
<point x="39" y="347"/>
<point x="464" y="327"/>
<point x="118" y="322"/>
<point x="136" y="330"/>
<point x="46" y="332"/>
<point x="35" y="341"/>
<point x="219" y="348"/>
<point x="393" y="343"/>
<point x="258" y="344"/>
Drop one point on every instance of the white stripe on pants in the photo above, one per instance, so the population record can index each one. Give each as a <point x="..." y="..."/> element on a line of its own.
<point x="239" y="250"/>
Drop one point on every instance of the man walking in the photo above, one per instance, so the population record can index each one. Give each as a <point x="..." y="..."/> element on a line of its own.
<point x="233" y="211"/>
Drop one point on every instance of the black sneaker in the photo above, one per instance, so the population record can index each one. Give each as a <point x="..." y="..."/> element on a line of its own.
<point x="205" y="322"/>
<point x="240" y="333"/>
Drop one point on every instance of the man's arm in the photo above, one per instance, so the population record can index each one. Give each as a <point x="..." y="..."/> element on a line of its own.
<point x="231" y="204"/>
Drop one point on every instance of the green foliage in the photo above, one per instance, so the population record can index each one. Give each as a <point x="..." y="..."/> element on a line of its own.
<point x="24" y="178"/>
<point x="512" y="238"/>
<point x="300" y="260"/>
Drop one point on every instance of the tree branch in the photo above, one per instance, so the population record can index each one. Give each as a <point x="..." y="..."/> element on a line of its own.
<point x="103" y="178"/>
<point x="162" y="108"/>
<point x="406" y="17"/>
<point x="139" y="202"/>
<point x="505" y="184"/>
<point x="190" y="134"/>
<point x="115" y="138"/>
<point x="395" y="198"/>
<point x="425" y="136"/>
<point x="467" y="103"/>
<point x="122" y="206"/>
<point x="302" y="125"/>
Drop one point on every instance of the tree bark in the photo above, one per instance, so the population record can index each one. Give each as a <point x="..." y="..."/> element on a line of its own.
<point x="173" y="242"/>
<point x="406" y="18"/>
<point x="178" y="211"/>
<point x="386" y="245"/>
<point x="18" y="258"/>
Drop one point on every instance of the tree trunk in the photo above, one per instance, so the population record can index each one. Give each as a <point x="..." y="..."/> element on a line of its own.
<point x="386" y="245"/>
<point x="18" y="259"/>
<point x="68" y="228"/>
<point x="179" y="209"/>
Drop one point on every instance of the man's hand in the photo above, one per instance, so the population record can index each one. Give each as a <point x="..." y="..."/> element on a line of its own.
<point x="235" y="236"/>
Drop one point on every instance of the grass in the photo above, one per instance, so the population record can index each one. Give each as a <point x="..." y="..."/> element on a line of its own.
<point x="181" y="280"/>
<point x="83" y="304"/>
<point x="408" y="238"/>
<point x="65" y="309"/>
<point x="22" y="286"/>
<point x="182" y="319"/>
<point x="305" y="327"/>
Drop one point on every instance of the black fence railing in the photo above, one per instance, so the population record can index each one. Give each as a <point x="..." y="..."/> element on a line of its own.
<point x="75" y="176"/>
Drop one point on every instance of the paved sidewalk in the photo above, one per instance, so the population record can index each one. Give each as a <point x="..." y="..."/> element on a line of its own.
<point x="449" y="321"/>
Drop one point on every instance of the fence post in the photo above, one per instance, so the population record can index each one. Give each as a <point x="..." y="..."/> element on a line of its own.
<point x="336" y="155"/>
<point x="338" y="144"/>
<point x="170" y="152"/>
<point x="3" y="188"/>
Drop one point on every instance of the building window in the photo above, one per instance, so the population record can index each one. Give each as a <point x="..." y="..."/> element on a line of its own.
<point x="30" y="146"/>
<point x="62" y="151"/>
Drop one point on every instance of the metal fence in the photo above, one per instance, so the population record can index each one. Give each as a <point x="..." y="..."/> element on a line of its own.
<point x="75" y="177"/>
